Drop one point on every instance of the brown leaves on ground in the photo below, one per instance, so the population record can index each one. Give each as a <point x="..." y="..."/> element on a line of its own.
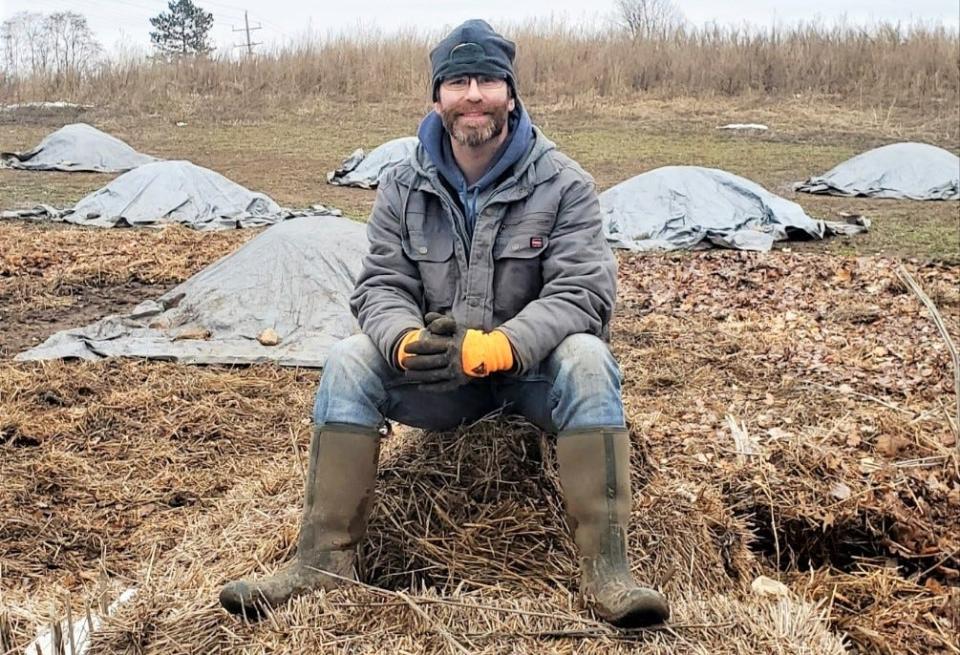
<point x="789" y="419"/>
<point x="835" y="375"/>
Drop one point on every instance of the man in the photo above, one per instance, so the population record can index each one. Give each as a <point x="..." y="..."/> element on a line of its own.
<point x="488" y="284"/>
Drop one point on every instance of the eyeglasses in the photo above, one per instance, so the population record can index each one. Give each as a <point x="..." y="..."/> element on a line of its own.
<point x="484" y="82"/>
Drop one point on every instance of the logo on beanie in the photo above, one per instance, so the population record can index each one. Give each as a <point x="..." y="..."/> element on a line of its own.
<point x="467" y="52"/>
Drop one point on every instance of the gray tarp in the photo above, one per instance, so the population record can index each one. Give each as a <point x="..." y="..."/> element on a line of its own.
<point x="175" y="192"/>
<point x="365" y="171"/>
<point x="77" y="148"/>
<point x="295" y="278"/>
<point x="689" y="207"/>
<point x="915" y="171"/>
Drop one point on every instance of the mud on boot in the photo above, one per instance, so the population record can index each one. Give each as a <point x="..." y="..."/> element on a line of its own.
<point x="252" y="597"/>
<point x="615" y="597"/>
<point x="594" y="467"/>
<point x="339" y="493"/>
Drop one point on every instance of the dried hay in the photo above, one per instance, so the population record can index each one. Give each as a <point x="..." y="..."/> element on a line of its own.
<point x="884" y="613"/>
<point x="366" y="622"/>
<point x="467" y="553"/>
<point x="100" y="463"/>
<point x="176" y="479"/>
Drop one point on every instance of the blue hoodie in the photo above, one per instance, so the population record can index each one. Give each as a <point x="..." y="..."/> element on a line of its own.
<point x="436" y="142"/>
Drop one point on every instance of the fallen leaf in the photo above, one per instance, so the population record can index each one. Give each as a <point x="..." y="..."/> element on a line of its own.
<point x="840" y="491"/>
<point x="935" y="587"/>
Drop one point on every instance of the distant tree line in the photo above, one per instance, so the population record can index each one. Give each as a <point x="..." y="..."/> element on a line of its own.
<point x="55" y="45"/>
<point x="649" y="19"/>
<point x="52" y="45"/>
<point x="646" y="47"/>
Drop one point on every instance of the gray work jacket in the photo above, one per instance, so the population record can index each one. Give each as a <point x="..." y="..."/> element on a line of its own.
<point x="538" y="266"/>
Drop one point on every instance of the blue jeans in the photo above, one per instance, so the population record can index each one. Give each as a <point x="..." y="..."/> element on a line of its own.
<point x="576" y="387"/>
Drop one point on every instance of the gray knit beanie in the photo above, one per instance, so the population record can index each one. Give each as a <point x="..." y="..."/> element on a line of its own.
<point x="473" y="48"/>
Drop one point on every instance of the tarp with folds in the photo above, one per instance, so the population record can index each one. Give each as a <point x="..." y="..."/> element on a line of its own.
<point x="689" y="207"/>
<point x="364" y="171"/>
<point x="914" y="171"/>
<point x="175" y="192"/>
<point x="294" y="279"/>
<point x="78" y="148"/>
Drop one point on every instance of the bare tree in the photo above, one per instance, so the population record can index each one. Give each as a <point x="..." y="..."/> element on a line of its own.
<point x="649" y="19"/>
<point x="10" y="46"/>
<point x="58" y="44"/>
<point x="72" y="44"/>
<point x="22" y="36"/>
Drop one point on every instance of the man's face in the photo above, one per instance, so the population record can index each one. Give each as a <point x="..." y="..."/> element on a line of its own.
<point x="474" y="108"/>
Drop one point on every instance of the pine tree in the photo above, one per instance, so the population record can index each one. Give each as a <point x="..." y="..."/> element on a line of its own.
<point x="182" y="30"/>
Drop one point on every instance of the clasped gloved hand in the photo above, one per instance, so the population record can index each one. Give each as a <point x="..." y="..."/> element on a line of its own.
<point x="445" y="355"/>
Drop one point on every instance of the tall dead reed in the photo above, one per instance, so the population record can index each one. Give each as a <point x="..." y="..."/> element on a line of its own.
<point x="913" y="64"/>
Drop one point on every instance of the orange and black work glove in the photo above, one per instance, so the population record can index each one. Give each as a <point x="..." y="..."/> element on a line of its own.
<point x="448" y="355"/>
<point x="412" y="336"/>
<point x="405" y="341"/>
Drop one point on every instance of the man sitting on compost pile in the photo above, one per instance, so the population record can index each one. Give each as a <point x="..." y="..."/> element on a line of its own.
<point x="488" y="284"/>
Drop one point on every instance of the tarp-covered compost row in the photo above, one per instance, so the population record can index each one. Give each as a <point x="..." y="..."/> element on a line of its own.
<point x="282" y="297"/>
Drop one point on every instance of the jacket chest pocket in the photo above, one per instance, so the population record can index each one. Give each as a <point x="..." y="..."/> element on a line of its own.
<point x="433" y="254"/>
<point x="517" y="273"/>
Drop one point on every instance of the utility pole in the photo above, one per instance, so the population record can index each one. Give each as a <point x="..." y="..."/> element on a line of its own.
<point x="249" y="44"/>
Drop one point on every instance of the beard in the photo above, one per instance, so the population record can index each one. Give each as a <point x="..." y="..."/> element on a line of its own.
<point x="474" y="136"/>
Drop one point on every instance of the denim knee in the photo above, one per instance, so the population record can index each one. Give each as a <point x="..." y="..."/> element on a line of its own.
<point x="586" y="384"/>
<point x="352" y="384"/>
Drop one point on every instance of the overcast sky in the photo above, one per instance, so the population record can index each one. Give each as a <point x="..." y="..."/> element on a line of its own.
<point x="125" y="21"/>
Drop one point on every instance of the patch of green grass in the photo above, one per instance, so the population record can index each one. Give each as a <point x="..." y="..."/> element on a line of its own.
<point x="288" y="156"/>
<point x="613" y="151"/>
<point x="928" y="231"/>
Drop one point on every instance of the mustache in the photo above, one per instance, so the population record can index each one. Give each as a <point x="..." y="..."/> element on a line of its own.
<point x="459" y="110"/>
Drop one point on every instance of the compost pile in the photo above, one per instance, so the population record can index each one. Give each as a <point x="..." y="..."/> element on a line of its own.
<point x="789" y="415"/>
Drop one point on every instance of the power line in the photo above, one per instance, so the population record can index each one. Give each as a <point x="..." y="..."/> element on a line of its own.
<point x="107" y="10"/>
<point x="234" y="11"/>
<point x="60" y="5"/>
<point x="248" y="29"/>
<point x="275" y="27"/>
<point x="134" y="12"/>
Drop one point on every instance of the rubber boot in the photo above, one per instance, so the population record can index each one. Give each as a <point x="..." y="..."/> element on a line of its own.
<point x="594" y="467"/>
<point x="339" y="492"/>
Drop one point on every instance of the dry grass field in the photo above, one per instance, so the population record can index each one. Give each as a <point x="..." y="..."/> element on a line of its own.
<point x="172" y="479"/>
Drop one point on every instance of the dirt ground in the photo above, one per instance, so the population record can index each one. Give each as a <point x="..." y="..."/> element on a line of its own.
<point x="31" y="325"/>
<point x="120" y="470"/>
